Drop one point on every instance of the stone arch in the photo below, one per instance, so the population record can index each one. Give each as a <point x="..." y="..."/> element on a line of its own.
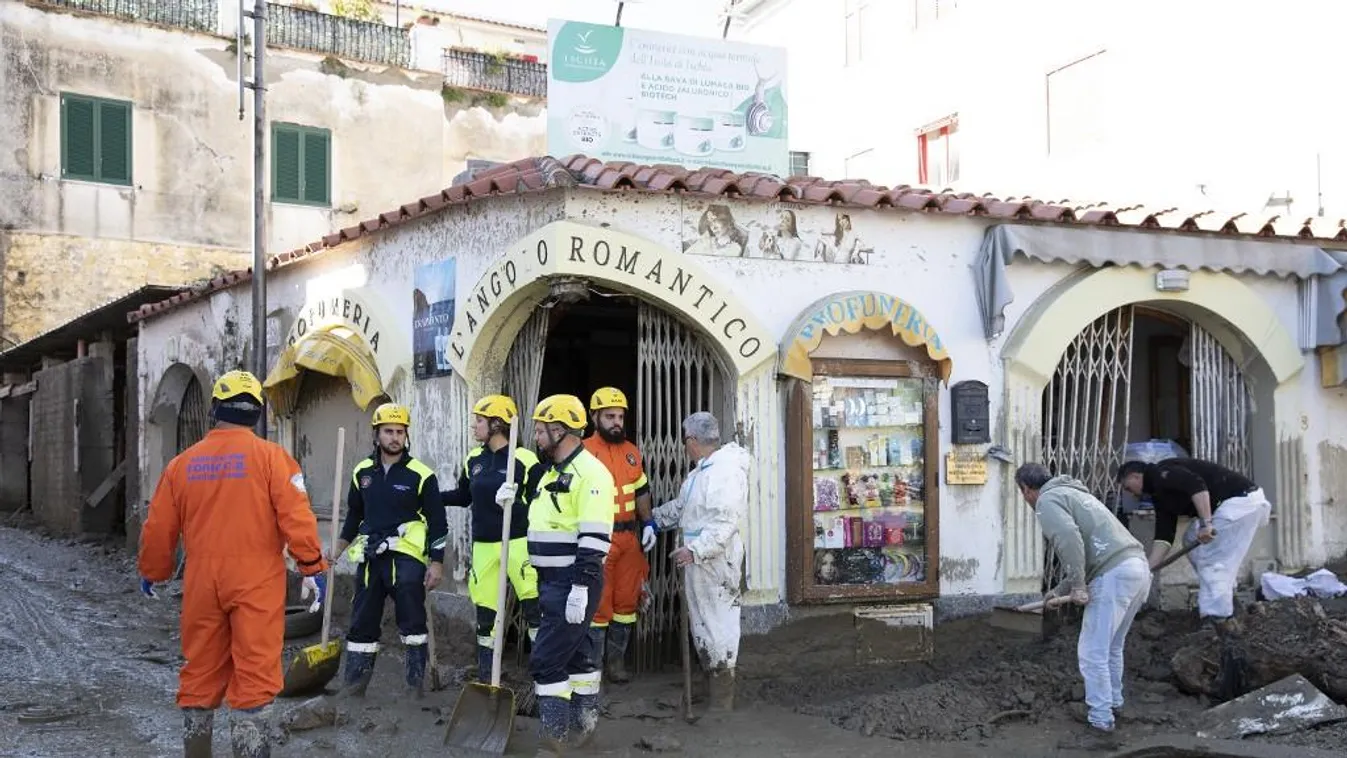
<point x="1222" y="304"/>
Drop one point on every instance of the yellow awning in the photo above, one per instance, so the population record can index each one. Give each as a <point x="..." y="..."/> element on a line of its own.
<point x="851" y="312"/>
<point x="335" y="350"/>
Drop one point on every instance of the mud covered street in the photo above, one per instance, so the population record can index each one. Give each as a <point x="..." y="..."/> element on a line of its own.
<point x="91" y="671"/>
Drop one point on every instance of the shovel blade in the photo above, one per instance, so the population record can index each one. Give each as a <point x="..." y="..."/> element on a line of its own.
<point x="482" y="720"/>
<point x="311" y="669"/>
<point x="1016" y="620"/>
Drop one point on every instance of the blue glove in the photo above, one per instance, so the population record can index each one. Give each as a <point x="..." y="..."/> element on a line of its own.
<point x="315" y="585"/>
<point x="147" y="588"/>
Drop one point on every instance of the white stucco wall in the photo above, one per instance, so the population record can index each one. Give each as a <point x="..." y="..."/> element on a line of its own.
<point x="922" y="259"/>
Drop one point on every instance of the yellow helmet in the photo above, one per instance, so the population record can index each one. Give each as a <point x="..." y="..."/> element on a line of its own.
<point x="497" y="406"/>
<point x="237" y="383"/>
<point x="392" y="413"/>
<point x="607" y="397"/>
<point x="566" y="410"/>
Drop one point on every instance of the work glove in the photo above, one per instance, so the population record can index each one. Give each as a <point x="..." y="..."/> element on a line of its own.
<point x="316" y="586"/>
<point x="147" y="589"/>
<point x="506" y="494"/>
<point x="648" y="537"/>
<point x="576" y="603"/>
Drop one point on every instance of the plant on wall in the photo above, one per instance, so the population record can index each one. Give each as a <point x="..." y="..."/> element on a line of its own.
<point x="358" y="10"/>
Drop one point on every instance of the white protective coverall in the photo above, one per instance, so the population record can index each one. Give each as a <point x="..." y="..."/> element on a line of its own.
<point x="709" y="509"/>
<point x="1217" y="563"/>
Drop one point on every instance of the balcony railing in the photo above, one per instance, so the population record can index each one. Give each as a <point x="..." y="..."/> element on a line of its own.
<point x="198" y="15"/>
<point x="469" y="69"/>
<point x="288" y="26"/>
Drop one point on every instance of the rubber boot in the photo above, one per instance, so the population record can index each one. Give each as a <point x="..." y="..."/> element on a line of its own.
<point x="484" y="664"/>
<point x="554" y="716"/>
<point x="359" y="670"/>
<point x="417" y="658"/>
<point x="248" y="733"/>
<point x="616" y="660"/>
<point x="597" y="635"/>
<point x="198" y="726"/>
<point x="721" y="691"/>
<point x="584" y="718"/>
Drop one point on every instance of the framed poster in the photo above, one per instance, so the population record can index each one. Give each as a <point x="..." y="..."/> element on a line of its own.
<point x="433" y="301"/>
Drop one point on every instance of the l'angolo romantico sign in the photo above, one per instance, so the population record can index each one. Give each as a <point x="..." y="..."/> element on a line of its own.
<point x="625" y="261"/>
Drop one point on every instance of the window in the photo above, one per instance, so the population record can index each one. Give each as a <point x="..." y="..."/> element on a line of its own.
<point x="301" y="161"/>
<point x="855" y="25"/>
<point x="95" y="139"/>
<point x="799" y="164"/>
<point x="927" y="12"/>
<point x="938" y="153"/>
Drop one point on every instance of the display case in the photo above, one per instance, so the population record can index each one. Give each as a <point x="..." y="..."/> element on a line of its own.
<point x="864" y="485"/>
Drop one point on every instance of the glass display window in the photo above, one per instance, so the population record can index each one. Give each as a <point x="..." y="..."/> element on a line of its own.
<point x="866" y="500"/>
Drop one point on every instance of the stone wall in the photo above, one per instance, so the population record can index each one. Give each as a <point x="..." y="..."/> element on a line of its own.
<point x="73" y="445"/>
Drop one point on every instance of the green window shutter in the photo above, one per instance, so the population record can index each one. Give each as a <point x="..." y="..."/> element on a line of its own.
<point x="317" y="177"/>
<point x="114" y="142"/>
<point x="285" y="164"/>
<point x="78" y="155"/>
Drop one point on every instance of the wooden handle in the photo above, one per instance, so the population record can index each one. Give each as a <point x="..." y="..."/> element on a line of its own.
<point x="336" y="517"/>
<point x="1186" y="550"/>
<point x="498" y="641"/>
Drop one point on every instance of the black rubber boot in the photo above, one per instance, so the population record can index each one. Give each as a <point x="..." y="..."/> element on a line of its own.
<point x="616" y="659"/>
<point x="359" y="670"/>
<point x="417" y="658"/>
<point x="249" y="733"/>
<point x="597" y="636"/>
<point x="721" y="695"/>
<point x="554" y="716"/>
<point x="198" y="726"/>
<point x="484" y="664"/>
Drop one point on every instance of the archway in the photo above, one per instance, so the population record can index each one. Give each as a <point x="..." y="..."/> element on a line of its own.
<point x="1222" y="306"/>
<point x="178" y="417"/>
<point x="686" y="344"/>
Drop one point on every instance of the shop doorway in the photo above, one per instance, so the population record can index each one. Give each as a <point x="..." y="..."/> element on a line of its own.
<point x="1139" y="373"/>
<point x="668" y="371"/>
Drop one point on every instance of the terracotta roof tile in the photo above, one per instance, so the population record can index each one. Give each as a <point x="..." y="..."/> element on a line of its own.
<point x="547" y="173"/>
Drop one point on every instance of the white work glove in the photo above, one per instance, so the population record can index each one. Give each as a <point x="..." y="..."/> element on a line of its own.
<point x="648" y="537"/>
<point x="313" y="586"/>
<point x="506" y="494"/>
<point x="576" y="602"/>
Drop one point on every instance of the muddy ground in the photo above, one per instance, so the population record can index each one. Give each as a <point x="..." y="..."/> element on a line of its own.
<point x="91" y="671"/>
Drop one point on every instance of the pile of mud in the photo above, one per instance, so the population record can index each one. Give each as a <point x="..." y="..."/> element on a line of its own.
<point x="1266" y="643"/>
<point x="979" y="676"/>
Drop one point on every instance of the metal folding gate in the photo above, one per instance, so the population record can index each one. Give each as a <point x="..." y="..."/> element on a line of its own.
<point x="193" y="415"/>
<point x="522" y="382"/>
<point x="1087" y="408"/>
<point x="677" y="375"/>
<point x="1220" y="404"/>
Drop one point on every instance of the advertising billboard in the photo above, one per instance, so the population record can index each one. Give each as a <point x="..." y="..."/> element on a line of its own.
<point x="620" y="94"/>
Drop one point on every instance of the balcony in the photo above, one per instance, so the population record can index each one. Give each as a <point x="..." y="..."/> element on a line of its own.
<point x="474" y="70"/>
<point x="197" y="15"/>
<point x="301" y="29"/>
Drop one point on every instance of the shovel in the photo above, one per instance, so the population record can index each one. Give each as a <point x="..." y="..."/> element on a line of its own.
<point x="685" y="633"/>
<point x="433" y="681"/>
<point x="314" y="666"/>
<point x="1186" y="550"/>
<point x="483" y="716"/>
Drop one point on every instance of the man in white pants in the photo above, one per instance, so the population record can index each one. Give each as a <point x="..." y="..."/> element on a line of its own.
<point x="1226" y="509"/>
<point x="709" y="508"/>
<point x="1105" y="570"/>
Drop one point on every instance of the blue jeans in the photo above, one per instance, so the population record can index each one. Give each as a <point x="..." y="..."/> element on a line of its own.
<point x="1115" y="598"/>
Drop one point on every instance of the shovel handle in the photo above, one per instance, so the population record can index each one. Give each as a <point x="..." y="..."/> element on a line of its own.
<point x="684" y="634"/>
<point x="498" y="637"/>
<point x="1186" y="550"/>
<point x="336" y="513"/>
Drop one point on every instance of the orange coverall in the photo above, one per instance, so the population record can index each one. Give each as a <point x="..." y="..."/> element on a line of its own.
<point x="626" y="568"/>
<point x="238" y="501"/>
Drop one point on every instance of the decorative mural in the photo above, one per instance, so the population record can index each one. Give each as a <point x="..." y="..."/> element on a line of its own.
<point x="773" y="231"/>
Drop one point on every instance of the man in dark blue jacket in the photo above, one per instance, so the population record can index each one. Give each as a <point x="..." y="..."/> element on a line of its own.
<point x="394" y="518"/>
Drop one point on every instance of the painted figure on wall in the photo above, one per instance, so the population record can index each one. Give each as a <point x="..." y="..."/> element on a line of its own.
<point x="782" y="242"/>
<point x="844" y="245"/>
<point x="718" y="234"/>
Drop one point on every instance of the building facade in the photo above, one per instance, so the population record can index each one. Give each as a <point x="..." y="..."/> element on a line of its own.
<point x="1055" y="99"/>
<point x="125" y="160"/>
<point x="887" y="357"/>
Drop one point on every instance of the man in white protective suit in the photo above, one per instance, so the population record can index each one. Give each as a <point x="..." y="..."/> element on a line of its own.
<point x="1226" y="507"/>
<point x="709" y="508"/>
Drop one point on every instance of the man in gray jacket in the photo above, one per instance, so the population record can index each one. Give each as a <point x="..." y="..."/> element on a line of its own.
<point x="1106" y="571"/>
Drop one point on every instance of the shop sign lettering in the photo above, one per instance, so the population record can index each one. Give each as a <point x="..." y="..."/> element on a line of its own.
<point x="620" y="259"/>
<point x="849" y="313"/>
<point x="338" y="308"/>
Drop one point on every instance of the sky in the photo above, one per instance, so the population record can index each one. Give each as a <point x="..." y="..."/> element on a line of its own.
<point x="697" y="17"/>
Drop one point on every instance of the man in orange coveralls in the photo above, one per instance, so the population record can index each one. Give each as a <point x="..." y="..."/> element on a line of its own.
<point x="625" y="571"/>
<point x="238" y="501"/>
